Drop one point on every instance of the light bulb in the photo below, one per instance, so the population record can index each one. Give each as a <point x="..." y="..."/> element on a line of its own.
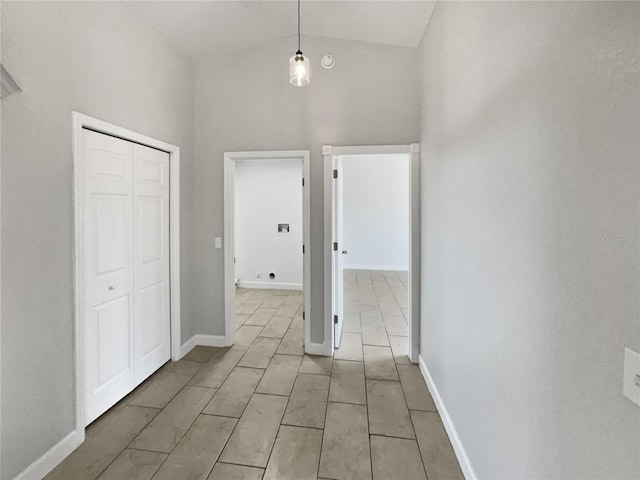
<point x="300" y="73"/>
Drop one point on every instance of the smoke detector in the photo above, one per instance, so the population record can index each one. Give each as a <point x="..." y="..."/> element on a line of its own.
<point x="328" y="61"/>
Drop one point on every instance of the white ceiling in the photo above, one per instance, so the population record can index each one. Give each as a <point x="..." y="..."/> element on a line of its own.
<point x="209" y="28"/>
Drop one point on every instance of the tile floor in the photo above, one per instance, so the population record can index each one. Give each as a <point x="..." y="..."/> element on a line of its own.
<point x="263" y="409"/>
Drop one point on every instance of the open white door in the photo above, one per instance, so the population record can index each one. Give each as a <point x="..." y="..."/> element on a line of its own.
<point x="338" y="251"/>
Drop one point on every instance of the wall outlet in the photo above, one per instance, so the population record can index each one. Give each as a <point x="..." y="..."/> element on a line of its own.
<point x="218" y="242"/>
<point x="258" y="274"/>
<point x="631" y="382"/>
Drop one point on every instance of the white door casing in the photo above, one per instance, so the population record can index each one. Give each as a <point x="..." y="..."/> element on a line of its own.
<point x="126" y="267"/>
<point x="329" y="153"/>
<point x="229" y="226"/>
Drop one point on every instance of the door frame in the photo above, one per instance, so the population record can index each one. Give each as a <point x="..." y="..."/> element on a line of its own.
<point x="229" y="234"/>
<point x="413" y="150"/>
<point x="338" y="259"/>
<point x="80" y="122"/>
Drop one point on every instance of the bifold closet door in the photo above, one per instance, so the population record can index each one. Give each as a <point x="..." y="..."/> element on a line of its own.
<point x="125" y="222"/>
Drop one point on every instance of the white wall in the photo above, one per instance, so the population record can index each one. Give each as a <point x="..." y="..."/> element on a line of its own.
<point x="268" y="192"/>
<point x="376" y="212"/>
<point x="529" y="163"/>
<point x="95" y="58"/>
<point x="244" y="102"/>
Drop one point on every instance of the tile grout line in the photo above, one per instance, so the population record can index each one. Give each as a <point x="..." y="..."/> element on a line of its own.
<point x="326" y="412"/>
<point x="205" y="406"/>
<point x="280" y="422"/>
<point x="289" y="396"/>
<point x="404" y="396"/>
<point x="254" y="393"/>
<point x="245" y="407"/>
<point x="243" y="410"/>
<point x="398" y="375"/>
<point x="127" y="446"/>
<point x="225" y="444"/>
<point x="186" y="431"/>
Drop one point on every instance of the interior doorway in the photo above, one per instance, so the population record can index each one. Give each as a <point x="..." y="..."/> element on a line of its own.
<point x="373" y="220"/>
<point x="267" y="235"/>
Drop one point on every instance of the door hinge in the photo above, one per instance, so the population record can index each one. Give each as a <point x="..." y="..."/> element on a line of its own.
<point x="303" y="315"/>
<point x="303" y="182"/>
<point x="335" y="319"/>
<point x="335" y="246"/>
<point x="335" y="174"/>
<point x="303" y="249"/>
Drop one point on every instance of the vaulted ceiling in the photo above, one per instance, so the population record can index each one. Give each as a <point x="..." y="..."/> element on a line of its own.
<point x="209" y="28"/>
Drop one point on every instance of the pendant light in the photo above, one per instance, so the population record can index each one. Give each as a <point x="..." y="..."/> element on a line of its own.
<point x="299" y="66"/>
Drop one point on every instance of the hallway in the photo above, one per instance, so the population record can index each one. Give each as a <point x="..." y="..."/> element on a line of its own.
<point x="521" y="123"/>
<point x="262" y="409"/>
<point x="375" y="315"/>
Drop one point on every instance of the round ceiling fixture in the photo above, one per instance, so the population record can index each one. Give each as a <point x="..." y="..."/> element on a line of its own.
<point x="328" y="61"/>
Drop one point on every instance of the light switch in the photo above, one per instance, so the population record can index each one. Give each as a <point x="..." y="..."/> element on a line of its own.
<point x="631" y="382"/>
<point x="218" y="242"/>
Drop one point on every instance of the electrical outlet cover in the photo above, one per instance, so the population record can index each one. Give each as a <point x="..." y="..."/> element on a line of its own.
<point x="631" y="382"/>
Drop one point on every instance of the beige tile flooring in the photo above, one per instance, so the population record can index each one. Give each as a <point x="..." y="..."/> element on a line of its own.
<point x="263" y="409"/>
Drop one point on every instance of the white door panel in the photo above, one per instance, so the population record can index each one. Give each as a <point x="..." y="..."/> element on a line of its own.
<point x="151" y="303"/>
<point x="150" y="223"/>
<point x="112" y="222"/>
<point x="109" y="365"/>
<point x="151" y="256"/>
<point x="112" y="329"/>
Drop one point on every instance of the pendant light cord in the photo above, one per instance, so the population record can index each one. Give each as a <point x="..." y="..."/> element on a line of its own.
<point x="298" y="25"/>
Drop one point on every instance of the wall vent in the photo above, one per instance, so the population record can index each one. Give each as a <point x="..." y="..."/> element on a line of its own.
<point x="7" y="84"/>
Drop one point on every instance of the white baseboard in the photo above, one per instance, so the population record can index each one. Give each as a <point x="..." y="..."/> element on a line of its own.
<point x="270" y="285"/>
<point x="390" y="268"/>
<point x="322" y="349"/>
<point x="52" y="457"/>
<point x="206" y="340"/>
<point x="458" y="448"/>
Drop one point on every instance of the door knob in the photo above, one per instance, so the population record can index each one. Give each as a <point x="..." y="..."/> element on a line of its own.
<point x="344" y="252"/>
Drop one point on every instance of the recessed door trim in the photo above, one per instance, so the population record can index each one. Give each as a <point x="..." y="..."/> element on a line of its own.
<point x="80" y="122"/>
<point x="229" y="242"/>
<point x="413" y="150"/>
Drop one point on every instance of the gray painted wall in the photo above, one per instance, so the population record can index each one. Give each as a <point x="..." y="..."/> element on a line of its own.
<point x="90" y="57"/>
<point x="244" y="102"/>
<point x="530" y="151"/>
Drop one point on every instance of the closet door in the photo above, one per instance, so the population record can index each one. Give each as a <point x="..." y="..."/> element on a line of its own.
<point x="125" y="227"/>
<point x="151" y="259"/>
<point x="108" y="287"/>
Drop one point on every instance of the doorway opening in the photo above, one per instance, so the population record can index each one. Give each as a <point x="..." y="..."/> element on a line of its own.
<point x="267" y="239"/>
<point x="373" y="260"/>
